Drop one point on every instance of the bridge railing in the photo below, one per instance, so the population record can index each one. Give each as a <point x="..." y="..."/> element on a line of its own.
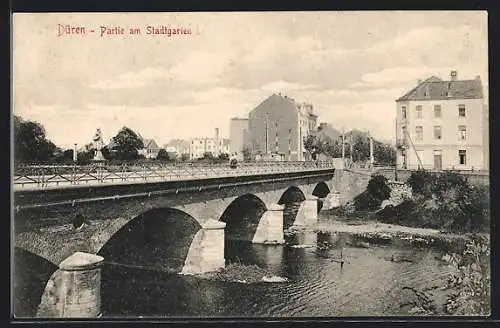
<point x="54" y="176"/>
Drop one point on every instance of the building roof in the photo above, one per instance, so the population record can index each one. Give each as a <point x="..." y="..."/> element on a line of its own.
<point x="150" y="144"/>
<point x="283" y="101"/>
<point x="178" y="143"/>
<point x="327" y="130"/>
<point x="436" y="89"/>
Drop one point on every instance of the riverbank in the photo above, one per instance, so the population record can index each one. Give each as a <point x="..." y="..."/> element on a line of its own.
<point x="367" y="232"/>
<point x="466" y="291"/>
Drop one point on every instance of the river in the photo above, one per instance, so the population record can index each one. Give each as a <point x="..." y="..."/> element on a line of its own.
<point x="370" y="283"/>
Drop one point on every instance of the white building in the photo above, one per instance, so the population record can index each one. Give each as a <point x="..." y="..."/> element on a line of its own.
<point x="443" y="125"/>
<point x="216" y="146"/>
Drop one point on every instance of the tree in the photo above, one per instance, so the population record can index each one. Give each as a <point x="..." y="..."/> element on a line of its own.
<point x="361" y="149"/>
<point x="127" y="144"/>
<point x="184" y="157"/>
<point x="247" y="154"/>
<point x="208" y="155"/>
<point x="30" y="142"/>
<point x="385" y="154"/>
<point x="313" y="145"/>
<point x="223" y="156"/>
<point x="162" y="155"/>
<point x="85" y="157"/>
<point x="65" y="157"/>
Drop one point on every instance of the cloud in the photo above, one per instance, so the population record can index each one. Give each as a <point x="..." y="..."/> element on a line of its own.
<point x="283" y="86"/>
<point x="132" y="80"/>
<point x="202" y="66"/>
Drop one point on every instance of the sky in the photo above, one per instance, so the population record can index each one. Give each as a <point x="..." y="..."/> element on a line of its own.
<point x="351" y="66"/>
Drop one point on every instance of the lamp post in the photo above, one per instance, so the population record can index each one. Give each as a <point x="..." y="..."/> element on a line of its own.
<point x="75" y="155"/>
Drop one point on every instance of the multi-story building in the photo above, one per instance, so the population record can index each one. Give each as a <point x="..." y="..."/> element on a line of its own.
<point x="238" y="135"/>
<point x="278" y="127"/>
<point x="215" y="146"/>
<point x="443" y="125"/>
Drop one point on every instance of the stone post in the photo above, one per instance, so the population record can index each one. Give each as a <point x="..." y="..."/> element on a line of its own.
<point x="308" y="212"/>
<point x="270" y="228"/>
<point x="74" y="291"/>
<point x="206" y="252"/>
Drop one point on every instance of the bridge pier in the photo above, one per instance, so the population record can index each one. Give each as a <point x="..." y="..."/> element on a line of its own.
<point x="270" y="228"/>
<point x="74" y="291"/>
<point x="331" y="201"/>
<point x="308" y="212"/>
<point x="206" y="252"/>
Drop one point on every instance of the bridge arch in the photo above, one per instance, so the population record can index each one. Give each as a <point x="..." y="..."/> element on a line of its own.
<point x="321" y="190"/>
<point x="31" y="273"/>
<point x="292" y="199"/>
<point x="158" y="238"/>
<point x="242" y="217"/>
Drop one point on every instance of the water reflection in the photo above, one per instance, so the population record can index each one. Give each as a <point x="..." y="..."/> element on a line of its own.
<point x="370" y="282"/>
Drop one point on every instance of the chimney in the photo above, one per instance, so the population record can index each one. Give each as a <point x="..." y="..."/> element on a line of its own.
<point x="478" y="78"/>
<point x="453" y="75"/>
<point x="216" y="133"/>
<point x="419" y="81"/>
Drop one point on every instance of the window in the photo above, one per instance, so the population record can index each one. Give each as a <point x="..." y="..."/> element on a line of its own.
<point x="462" y="157"/>
<point x="461" y="110"/>
<point x="418" y="133"/>
<point x="418" y="109"/>
<point x="462" y="130"/>
<point x="403" y="111"/>
<point x="437" y="132"/>
<point x="437" y="111"/>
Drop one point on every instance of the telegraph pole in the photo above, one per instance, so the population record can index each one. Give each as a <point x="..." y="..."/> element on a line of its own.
<point x="350" y="146"/>
<point x="343" y="146"/>
<point x="396" y="160"/>
<point x="372" y="160"/>
<point x="267" y="134"/>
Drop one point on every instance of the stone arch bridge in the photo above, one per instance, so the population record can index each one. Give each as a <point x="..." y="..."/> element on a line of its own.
<point x="189" y="218"/>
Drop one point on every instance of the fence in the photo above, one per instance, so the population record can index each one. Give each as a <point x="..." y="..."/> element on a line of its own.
<point x="57" y="176"/>
<point x="477" y="177"/>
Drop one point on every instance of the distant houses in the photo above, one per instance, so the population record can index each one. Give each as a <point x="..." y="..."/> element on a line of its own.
<point x="150" y="149"/>
<point x="198" y="147"/>
<point x="177" y="148"/>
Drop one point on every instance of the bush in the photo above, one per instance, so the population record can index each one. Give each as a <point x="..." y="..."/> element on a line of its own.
<point x="444" y="201"/>
<point x="472" y="279"/>
<point x="378" y="188"/>
<point x="420" y="182"/>
<point x="376" y="191"/>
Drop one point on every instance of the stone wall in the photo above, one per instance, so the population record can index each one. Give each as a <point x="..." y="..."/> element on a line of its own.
<point x="399" y="192"/>
<point x="349" y="184"/>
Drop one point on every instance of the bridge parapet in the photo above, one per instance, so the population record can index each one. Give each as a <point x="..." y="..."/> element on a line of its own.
<point x="34" y="177"/>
